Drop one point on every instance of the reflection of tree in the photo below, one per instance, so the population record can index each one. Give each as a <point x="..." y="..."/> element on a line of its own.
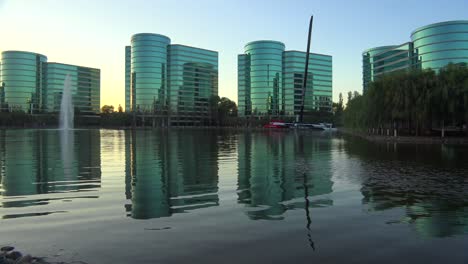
<point x="170" y="172"/>
<point x="270" y="178"/>
<point x="428" y="181"/>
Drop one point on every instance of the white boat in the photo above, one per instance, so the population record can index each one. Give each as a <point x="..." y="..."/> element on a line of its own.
<point x="319" y="126"/>
<point x="328" y="127"/>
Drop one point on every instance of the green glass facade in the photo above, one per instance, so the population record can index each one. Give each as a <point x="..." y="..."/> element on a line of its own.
<point x="173" y="82"/>
<point x="193" y="80"/>
<point x="244" y="104"/>
<point x="31" y="84"/>
<point x="380" y="60"/>
<point x="318" y="95"/>
<point x="266" y="65"/>
<point x="270" y="80"/>
<point x="148" y="72"/>
<point x="439" y="44"/>
<point x="432" y="47"/>
<point x="85" y="88"/>
<point x="128" y="52"/>
<point x="21" y="79"/>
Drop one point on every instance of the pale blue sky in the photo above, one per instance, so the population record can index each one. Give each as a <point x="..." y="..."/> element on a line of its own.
<point x="94" y="32"/>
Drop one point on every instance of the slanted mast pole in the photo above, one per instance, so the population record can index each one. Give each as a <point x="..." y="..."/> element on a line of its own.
<point x="304" y="85"/>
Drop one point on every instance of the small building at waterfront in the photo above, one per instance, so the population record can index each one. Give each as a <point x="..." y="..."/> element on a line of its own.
<point x="169" y="82"/>
<point x="270" y="81"/>
<point x="431" y="47"/>
<point x="30" y="84"/>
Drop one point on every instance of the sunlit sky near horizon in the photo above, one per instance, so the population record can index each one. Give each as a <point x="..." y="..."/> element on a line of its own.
<point x="94" y="33"/>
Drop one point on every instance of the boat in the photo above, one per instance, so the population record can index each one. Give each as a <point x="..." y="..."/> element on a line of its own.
<point x="329" y="127"/>
<point x="276" y="124"/>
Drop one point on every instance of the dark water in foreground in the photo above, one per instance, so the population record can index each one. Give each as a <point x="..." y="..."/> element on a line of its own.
<point x="193" y="196"/>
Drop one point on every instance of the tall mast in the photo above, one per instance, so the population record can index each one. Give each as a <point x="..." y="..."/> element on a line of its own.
<point x="301" y="115"/>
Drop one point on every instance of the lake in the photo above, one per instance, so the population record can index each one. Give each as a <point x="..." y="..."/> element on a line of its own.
<point x="219" y="196"/>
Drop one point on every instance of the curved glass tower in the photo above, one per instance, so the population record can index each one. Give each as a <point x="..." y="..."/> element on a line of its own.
<point x="270" y="81"/>
<point x="148" y="72"/>
<point x="379" y="60"/>
<point x="265" y="71"/>
<point x="29" y="83"/>
<point x="432" y="47"/>
<point x="21" y="80"/>
<point x="439" y="44"/>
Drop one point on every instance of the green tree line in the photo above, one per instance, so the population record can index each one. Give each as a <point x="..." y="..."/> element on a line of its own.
<point x="412" y="102"/>
<point x="223" y="113"/>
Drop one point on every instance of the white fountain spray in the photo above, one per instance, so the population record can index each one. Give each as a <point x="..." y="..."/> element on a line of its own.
<point x="66" y="132"/>
<point x="66" y="106"/>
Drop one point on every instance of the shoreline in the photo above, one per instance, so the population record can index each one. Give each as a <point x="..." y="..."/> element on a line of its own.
<point x="406" y="139"/>
<point x="231" y="128"/>
<point x="371" y="138"/>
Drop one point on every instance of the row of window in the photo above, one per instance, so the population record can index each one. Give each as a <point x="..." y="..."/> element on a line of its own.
<point x="148" y="83"/>
<point x="156" y="43"/>
<point x="21" y="67"/>
<point x="191" y="52"/>
<point x="252" y="47"/>
<point x="286" y="70"/>
<point x="439" y="29"/>
<point x="301" y="56"/>
<point x="261" y="75"/>
<point x="286" y="57"/>
<point x="327" y="93"/>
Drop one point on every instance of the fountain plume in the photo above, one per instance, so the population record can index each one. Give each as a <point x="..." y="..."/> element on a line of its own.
<point x="66" y="106"/>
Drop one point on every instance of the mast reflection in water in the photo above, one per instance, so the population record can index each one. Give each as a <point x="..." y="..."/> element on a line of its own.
<point x="272" y="169"/>
<point x="295" y="191"/>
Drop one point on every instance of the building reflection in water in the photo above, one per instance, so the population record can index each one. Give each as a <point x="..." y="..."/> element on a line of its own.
<point x="169" y="173"/>
<point x="428" y="181"/>
<point x="37" y="162"/>
<point x="282" y="171"/>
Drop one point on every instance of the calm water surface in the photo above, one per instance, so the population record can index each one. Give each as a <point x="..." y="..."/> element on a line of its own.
<point x="193" y="196"/>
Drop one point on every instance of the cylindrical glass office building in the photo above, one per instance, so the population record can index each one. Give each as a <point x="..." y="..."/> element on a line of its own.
<point x="368" y="58"/>
<point x="266" y="65"/>
<point x="431" y="47"/>
<point x="439" y="44"/>
<point x="21" y="79"/>
<point x="148" y="72"/>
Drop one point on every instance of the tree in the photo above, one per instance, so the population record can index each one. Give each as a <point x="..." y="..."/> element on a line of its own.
<point x="222" y="109"/>
<point x="355" y="94"/>
<point x="107" y="109"/>
<point x="226" y="107"/>
<point x="338" y="109"/>
<point x="340" y="101"/>
<point x="350" y="97"/>
<point x="120" y="109"/>
<point x="412" y="101"/>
